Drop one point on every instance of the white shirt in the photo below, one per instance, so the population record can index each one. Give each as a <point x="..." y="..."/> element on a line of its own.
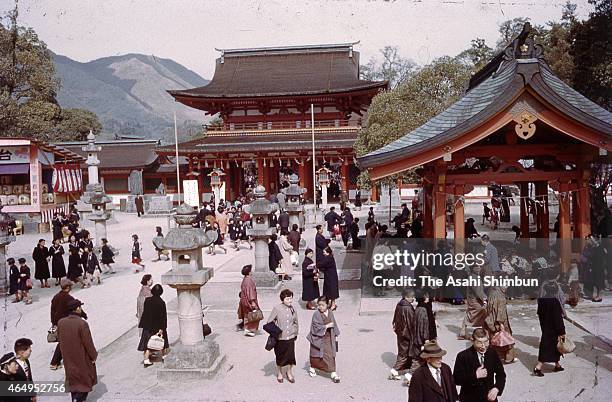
<point x="24" y="366"/>
<point x="434" y="373"/>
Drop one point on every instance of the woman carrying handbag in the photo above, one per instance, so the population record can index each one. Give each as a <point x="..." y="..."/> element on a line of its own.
<point x="153" y="323"/>
<point x="248" y="307"/>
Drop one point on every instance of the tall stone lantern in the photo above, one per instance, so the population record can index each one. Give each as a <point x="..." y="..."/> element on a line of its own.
<point x="5" y="238"/>
<point x="260" y="209"/>
<point x="99" y="215"/>
<point x="293" y="203"/>
<point x="192" y="356"/>
<point x="216" y="181"/>
<point x="323" y="177"/>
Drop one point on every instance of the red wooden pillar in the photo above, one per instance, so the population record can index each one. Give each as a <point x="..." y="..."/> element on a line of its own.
<point x="344" y="171"/>
<point x="543" y="219"/>
<point x="439" y="215"/>
<point x="565" y="227"/>
<point x="260" y="171"/>
<point x="584" y="211"/>
<point x="524" y="193"/>
<point x="427" y="210"/>
<point x="302" y="173"/>
<point x="374" y="190"/>
<point x="459" y="218"/>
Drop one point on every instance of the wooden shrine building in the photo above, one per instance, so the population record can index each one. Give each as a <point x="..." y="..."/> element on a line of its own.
<point x="264" y="98"/>
<point x="517" y="124"/>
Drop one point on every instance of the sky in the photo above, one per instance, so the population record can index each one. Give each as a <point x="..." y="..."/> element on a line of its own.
<point x="189" y="31"/>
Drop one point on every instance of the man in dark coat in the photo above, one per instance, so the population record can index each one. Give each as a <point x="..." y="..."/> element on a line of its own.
<point x="23" y="351"/>
<point x="139" y="202"/>
<point x="320" y="243"/>
<point x="78" y="351"/>
<point x="283" y="221"/>
<point x="274" y="254"/>
<point x="404" y="328"/>
<point x="479" y="371"/>
<point x="405" y="215"/>
<point x="310" y="283"/>
<point x="332" y="218"/>
<point x="347" y="225"/>
<point x="433" y="381"/>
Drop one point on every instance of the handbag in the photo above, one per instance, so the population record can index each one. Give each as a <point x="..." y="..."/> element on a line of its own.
<point x="501" y="339"/>
<point x="206" y="330"/>
<point x="52" y="335"/>
<point x="253" y="316"/>
<point x="565" y="345"/>
<point x="156" y="342"/>
<point x="270" y="343"/>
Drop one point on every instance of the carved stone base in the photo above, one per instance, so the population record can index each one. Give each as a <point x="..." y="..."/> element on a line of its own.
<point x="191" y="362"/>
<point x="265" y="279"/>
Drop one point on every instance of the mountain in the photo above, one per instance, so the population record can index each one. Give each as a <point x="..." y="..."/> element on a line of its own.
<point x="128" y="93"/>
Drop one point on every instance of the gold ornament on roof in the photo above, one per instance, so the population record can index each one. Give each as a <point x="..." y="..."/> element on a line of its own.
<point x="525" y="127"/>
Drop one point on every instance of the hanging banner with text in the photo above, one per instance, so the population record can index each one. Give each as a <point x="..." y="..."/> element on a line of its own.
<point x="191" y="192"/>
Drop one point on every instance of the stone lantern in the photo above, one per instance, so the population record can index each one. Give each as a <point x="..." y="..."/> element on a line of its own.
<point x="99" y="215"/>
<point x="192" y="356"/>
<point x="261" y="231"/>
<point x="323" y="177"/>
<point x="293" y="203"/>
<point x="6" y="221"/>
<point x="216" y="181"/>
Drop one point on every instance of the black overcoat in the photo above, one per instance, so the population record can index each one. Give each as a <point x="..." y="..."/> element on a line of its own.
<point x="154" y="315"/>
<point x="424" y="388"/>
<point x="274" y="256"/>
<point x="320" y="243"/>
<point x="330" y="283"/>
<point x="476" y="389"/>
<point x="58" y="268"/>
<point x="310" y="287"/>
<point x="551" y="324"/>
<point x="39" y="255"/>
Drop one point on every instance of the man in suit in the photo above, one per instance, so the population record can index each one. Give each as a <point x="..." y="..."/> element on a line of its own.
<point x="433" y="381"/>
<point x="479" y="371"/>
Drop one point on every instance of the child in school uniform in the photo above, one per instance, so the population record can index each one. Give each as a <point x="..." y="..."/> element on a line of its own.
<point x="107" y="256"/>
<point x="136" y="258"/>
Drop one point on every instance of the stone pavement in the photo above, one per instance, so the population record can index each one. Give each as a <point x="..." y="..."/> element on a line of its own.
<point x="366" y="344"/>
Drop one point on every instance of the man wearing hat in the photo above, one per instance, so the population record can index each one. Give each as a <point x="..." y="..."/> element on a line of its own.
<point x="78" y="351"/>
<point x="433" y="381"/>
<point x="8" y="367"/>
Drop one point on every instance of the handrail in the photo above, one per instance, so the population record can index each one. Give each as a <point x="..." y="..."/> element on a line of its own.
<point x="275" y="125"/>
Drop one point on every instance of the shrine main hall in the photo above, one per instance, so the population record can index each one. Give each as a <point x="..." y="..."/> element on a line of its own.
<point x="264" y="97"/>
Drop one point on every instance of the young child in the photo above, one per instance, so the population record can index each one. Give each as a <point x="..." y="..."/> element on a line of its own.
<point x="25" y="282"/>
<point x="13" y="279"/>
<point x="75" y="266"/>
<point x="136" y="259"/>
<point x="107" y="256"/>
<point x="486" y="212"/>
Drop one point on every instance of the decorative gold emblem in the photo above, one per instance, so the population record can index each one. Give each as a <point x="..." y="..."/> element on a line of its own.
<point x="525" y="128"/>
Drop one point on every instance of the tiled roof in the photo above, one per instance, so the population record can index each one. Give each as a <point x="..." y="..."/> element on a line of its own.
<point x="284" y="71"/>
<point x="132" y="154"/>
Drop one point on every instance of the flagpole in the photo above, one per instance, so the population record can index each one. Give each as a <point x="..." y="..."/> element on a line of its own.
<point x="178" y="175"/>
<point x="314" y="174"/>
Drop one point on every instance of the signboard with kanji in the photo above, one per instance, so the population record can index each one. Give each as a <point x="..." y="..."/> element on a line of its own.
<point x="11" y="155"/>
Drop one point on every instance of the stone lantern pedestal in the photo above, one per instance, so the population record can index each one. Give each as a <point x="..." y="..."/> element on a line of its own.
<point x="261" y="231"/>
<point x="5" y="239"/>
<point x="99" y="215"/>
<point x="293" y="204"/>
<point x="192" y="357"/>
<point x="323" y="176"/>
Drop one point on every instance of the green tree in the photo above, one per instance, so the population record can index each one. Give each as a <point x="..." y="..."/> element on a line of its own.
<point x="420" y="97"/>
<point x="74" y="125"/>
<point x="394" y="68"/>
<point x="27" y="83"/>
<point x="477" y="55"/>
<point x="508" y="30"/>
<point x="592" y="52"/>
<point x="556" y="38"/>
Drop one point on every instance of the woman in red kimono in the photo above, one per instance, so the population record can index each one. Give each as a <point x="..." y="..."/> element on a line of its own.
<point x="248" y="302"/>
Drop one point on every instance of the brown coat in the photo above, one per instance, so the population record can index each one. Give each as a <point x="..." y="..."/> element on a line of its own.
<point x="78" y="352"/>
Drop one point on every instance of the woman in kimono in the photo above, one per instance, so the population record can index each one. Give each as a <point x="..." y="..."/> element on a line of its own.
<point x="13" y="279"/>
<point x="58" y="268"/>
<point x="323" y="344"/>
<point x="286" y="248"/>
<point x="40" y="255"/>
<point x="497" y="320"/>
<point x="310" y="280"/>
<point x="475" y="300"/>
<point x="553" y="329"/>
<point x="330" y="280"/>
<point x="248" y="301"/>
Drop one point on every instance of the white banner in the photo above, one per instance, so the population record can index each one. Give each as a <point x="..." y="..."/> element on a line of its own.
<point x="191" y="193"/>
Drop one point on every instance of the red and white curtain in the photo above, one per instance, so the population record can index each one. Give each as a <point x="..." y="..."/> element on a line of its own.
<point x="67" y="178"/>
